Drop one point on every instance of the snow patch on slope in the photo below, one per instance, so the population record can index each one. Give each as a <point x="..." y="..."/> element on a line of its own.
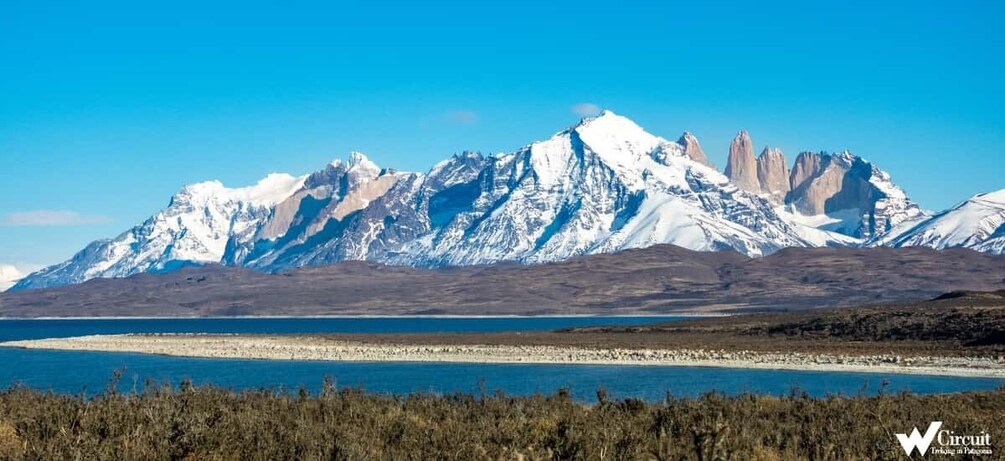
<point x="977" y="223"/>
<point x="829" y="229"/>
<point x="602" y="185"/>
<point x="194" y="229"/>
<point x="268" y="191"/>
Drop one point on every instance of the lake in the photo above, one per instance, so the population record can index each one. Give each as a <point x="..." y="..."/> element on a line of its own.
<point x="90" y="372"/>
<point x="12" y="329"/>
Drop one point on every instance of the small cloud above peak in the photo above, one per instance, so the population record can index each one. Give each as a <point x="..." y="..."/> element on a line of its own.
<point x="585" y="109"/>
<point x="462" y="117"/>
<point x="51" y="218"/>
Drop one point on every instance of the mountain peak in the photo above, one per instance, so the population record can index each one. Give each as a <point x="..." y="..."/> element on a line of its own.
<point x="768" y="152"/>
<point x="773" y="174"/>
<point x="847" y="157"/>
<point x="693" y="149"/>
<point x="199" y="194"/>
<point x="270" y="190"/>
<point x="356" y="160"/>
<point x="741" y="167"/>
<point x="602" y="185"/>
<point x="606" y="117"/>
<point x="611" y="124"/>
<point x="603" y="114"/>
<point x="993" y="196"/>
<point x="977" y="223"/>
<point x="618" y="140"/>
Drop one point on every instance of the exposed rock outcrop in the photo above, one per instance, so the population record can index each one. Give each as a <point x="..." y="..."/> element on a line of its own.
<point x="692" y="149"/>
<point x="846" y="185"/>
<point x="815" y="180"/>
<point x="806" y="166"/>
<point x="741" y="167"/>
<point x="602" y="185"/>
<point x="773" y="174"/>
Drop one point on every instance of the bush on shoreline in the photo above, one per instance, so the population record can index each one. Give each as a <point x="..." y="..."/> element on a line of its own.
<point x="187" y="422"/>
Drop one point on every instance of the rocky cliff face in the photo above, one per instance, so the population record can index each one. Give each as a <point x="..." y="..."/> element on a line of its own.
<point x="848" y="186"/>
<point x="977" y="223"/>
<point x="815" y="180"/>
<point x="741" y="167"/>
<point x="773" y="174"/>
<point x="693" y="149"/>
<point x="842" y="195"/>
<point x="603" y="185"/>
<point x="197" y="227"/>
<point x="807" y="165"/>
<point x="321" y="222"/>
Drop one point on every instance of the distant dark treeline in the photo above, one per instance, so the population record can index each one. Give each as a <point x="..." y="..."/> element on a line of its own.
<point x="161" y="422"/>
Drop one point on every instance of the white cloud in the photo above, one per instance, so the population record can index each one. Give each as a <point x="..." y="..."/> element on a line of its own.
<point x="585" y="109"/>
<point x="10" y="273"/>
<point x="462" y="117"/>
<point x="51" y="218"/>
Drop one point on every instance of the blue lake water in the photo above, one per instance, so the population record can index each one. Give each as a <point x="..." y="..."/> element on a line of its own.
<point x="72" y="372"/>
<point x="11" y="329"/>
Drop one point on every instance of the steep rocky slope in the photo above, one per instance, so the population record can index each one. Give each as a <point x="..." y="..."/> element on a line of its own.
<point x="603" y="185"/>
<point x="977" y="223"/>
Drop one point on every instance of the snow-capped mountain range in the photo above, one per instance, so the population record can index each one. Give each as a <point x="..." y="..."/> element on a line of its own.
<point x="603" y="185"/>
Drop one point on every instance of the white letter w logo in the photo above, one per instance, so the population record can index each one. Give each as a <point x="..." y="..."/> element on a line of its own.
<point x="916" y="440"/>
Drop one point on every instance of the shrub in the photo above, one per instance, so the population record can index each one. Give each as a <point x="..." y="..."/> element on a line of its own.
<point x="193" y="422"/>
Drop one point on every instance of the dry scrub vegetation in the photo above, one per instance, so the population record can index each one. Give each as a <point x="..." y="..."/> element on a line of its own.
<point x="189" y="422"/>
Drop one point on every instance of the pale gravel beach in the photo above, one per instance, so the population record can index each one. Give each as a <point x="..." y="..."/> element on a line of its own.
<point x="325" y="349"/>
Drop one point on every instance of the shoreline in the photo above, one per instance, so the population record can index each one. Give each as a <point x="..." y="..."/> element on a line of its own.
<point x="313" y="348"/>
<point x="379" y="316"/>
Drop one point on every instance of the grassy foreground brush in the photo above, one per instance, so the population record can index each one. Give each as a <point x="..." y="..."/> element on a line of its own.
<point x="161" y="422"/>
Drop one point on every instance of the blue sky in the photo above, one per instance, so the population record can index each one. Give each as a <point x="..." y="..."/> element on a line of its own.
<point x="108" y="108"/>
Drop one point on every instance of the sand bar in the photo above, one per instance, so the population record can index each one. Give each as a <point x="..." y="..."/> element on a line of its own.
<point x="283" y="347"/>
